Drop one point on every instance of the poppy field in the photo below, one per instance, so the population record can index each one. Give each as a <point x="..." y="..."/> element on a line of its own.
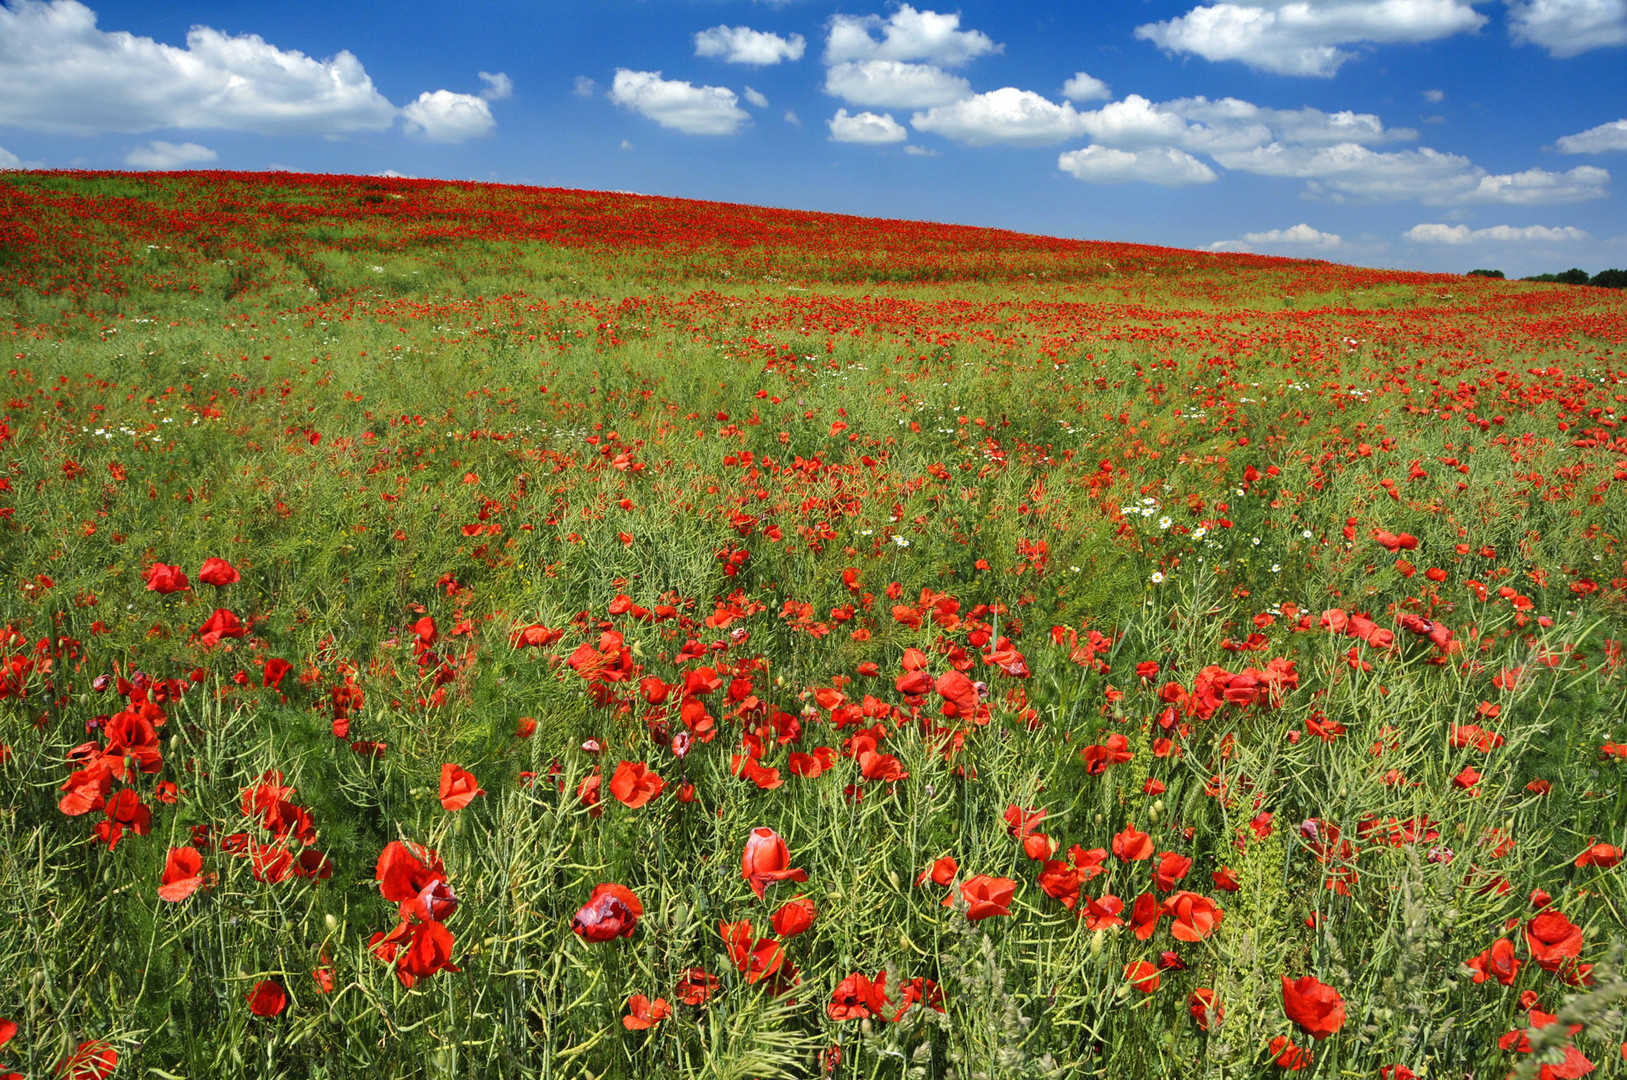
<point x="461" y="630"/>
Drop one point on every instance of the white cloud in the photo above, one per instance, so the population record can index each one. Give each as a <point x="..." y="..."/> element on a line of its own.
<point x="1462" y="234"/>
<point x="743" y="45"/>
<point x="1596" y="140"/>
<point x="1301" y="234"/>
<point x="63" y="74"/>
<point x="919" y="151"/>
<point x="754" y="97"/>
<point x="8" y="160"/>
<point x="1212" y="126"/>
<point x="445" y="117"/>
<point x="498" y="86"/>
<point x="1434" y="97"/>
<point x="894" y="84"/>
<point x="1085" y="87"/>
<point x="1535" y="186"/>
<point x="627" y="144"/>
<point x="682" y="106"/>
<point x="1165" y="166"/>
<point x="1568" y="27"/>
<point x="906" y="35"/>
<point x="1295" y="236"/>
<point x="1303" y="37"/>
<point x="866" y="127"/>
<point x="166" y="155"/>
<point x="1349" y="170"/>
<point x="1008" y="115"/>
<point x="792" y="118"/>
<point x="584" y="86"/>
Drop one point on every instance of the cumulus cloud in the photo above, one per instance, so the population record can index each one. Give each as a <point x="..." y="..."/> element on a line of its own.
<point x="1568" y="27"/>
<point x="1596" y="140"/>
<point x="498" y="86"/>
<point x="1462" y="234"/>
<point x="1434" y="97"/>
<point x="743" y="45"/>
<point x="62" y="74"/>
<point x="1011" y="116"/>
<point x="584" y="86"/>
<point x="754" y="97"/>
<point x="682" y="106"/>
<point x="1304" y="37"/>
<point x="1163" y="165"/>
<point x="1301" y="236"/>
<point x="866" y="127"/>
<point x="445" y="117"/>
<point x="894" y="84"/>
<point x="8" y="160"/>
<point x="166" y="155"/>
<point x="1535" y="186"/>
<point x="1085" y="87"/>
<point x="908" y="35"/>
<point x="792" y="118"/>
<point x="1347" y="170"/>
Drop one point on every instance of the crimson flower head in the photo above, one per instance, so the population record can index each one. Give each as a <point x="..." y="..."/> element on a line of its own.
<point x="218" y="572"/>
<point x="767" y="860"/>
<point x="164" y="580"/>
<point x="405" y="869"/>
<point x="222" y="624"/>
<point x="795" y="917"/>
<point x="1553" y="939"/>
<point x="458" y="787"/>
<point x="612" y="911"/>
<point x="858" y="997"/>
<point x="634" y="784"/>
<point x="183" y="873"/>
<point x="987" y="896"/>
<point x="1315" y="1006"/>
<point x="434" y="903"/>
<point x="268" y="998"/>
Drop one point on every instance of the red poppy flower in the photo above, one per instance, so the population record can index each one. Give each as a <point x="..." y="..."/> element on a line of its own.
<point x="1132" y="846"/>
<point x="858" y="997"/>
<point x="272" y="675"/>
<point x="1170" y="870"/>
<point x="404" y="869"/>
<point x="959" y="694"/>
<point x="1552" y="939"/>
<point x="218" y="572"/>
<point x="987" y="896"/>
<point x="428" y="950"/>
<point x="643" y="1013"/>
<point x="93" y="1060"/>
<point x="1316" y="1007"/>
<point x="919" y="991"/>
<point x="1225" y="879"/>
<point x="1142" y="975"/>
<point x="1205" y="1007"/>
<point x="696" y="987"/>
<point x="795" y="917"/>
<point x="767" y="860"/>
<point x="166" y="579"/>
<point x="1103" y="913"/>
<point x="1194" y="917"/>
<point x="942" y="871"/>
<point x="1144" y="915"/>
<point x="181" y="874"/>
<point x="458" y="787"/>
<point x="1497" y="962"/>
<point x="612" y="911"/>
<point x="268" y="998"/>
<point x="8" y="1029"/>
<point x="222" y="624"/>
<point x="634" y="784"/>
<point x="1290" y="1057"/>
<point x="1600" y="854"/>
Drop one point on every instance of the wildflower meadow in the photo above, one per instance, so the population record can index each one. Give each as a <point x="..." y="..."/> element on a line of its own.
<point x="455" y="630"/>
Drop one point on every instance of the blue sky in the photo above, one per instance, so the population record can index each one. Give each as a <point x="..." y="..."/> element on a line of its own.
<point x="1428" y="134"/>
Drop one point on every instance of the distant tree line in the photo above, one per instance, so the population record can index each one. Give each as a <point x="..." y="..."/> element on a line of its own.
<point x="1604" y="279"/>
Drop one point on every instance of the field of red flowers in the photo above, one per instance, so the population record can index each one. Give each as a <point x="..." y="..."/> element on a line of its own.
<point x="463" y="630"/>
